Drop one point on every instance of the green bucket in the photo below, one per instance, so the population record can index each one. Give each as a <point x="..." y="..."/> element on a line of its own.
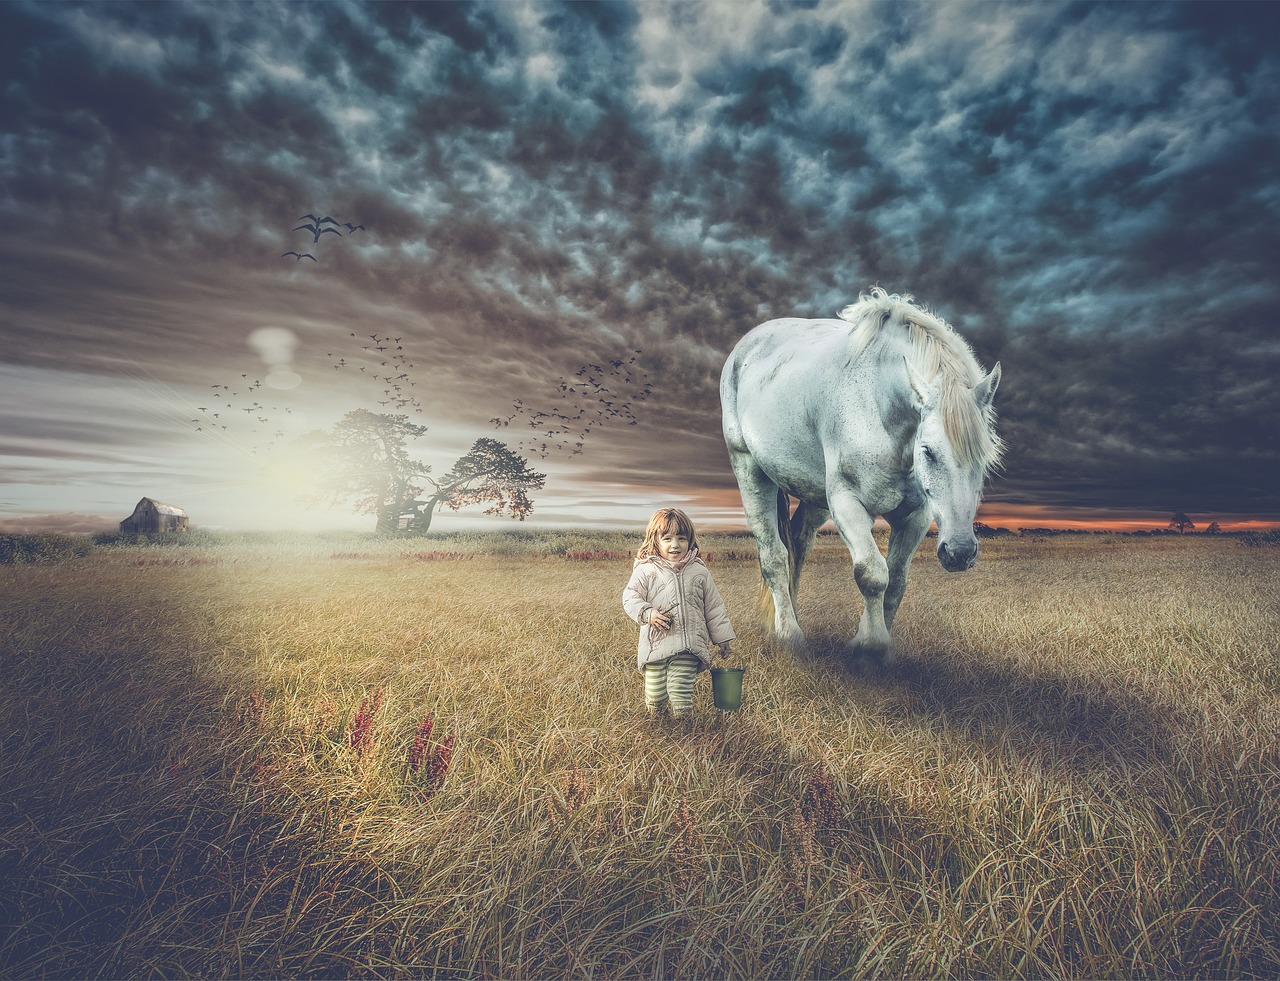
<point x="726" y="688"/>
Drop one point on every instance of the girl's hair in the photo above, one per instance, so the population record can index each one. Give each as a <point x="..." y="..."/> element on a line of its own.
<point x="665" y="520"/>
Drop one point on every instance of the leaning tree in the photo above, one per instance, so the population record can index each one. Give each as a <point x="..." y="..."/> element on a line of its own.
<point x="490" y="472"/>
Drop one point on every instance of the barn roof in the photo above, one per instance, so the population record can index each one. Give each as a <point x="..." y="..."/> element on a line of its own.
<point x="166" y="508"/>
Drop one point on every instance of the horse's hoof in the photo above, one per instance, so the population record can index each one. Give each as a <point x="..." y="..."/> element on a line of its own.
<point x="792" y="641"/>
<point x="873" y="650"/>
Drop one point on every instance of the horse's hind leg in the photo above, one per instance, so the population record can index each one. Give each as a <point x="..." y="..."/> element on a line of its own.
<point x="804" y="528"/>
<point x="760" y="503"/>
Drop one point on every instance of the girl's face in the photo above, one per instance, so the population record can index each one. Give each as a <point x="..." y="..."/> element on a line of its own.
<point x="672" y="544"/>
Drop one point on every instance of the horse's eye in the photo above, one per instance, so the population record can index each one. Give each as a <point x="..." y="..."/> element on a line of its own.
<point x="928" y="454"/>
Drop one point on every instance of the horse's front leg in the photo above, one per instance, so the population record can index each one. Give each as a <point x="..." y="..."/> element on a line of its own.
<point x="908" y="530"/>
<point x="870" y="572"/>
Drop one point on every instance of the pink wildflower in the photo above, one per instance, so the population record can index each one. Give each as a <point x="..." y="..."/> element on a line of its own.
<point x="360" y="736"/>
<point x="421" y="740"/>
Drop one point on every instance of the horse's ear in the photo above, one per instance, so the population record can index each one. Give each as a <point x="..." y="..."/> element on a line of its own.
<point x="926" y="395"/>
<point x="985" y="390"/>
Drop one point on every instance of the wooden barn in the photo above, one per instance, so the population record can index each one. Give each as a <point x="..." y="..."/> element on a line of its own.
<point x="154" y="516"/>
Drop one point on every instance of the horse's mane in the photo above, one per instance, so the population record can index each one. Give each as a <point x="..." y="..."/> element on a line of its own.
<point x="943" y="358"/>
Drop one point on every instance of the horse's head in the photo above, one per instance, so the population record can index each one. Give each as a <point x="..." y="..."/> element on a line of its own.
<point x="954" y="448"/>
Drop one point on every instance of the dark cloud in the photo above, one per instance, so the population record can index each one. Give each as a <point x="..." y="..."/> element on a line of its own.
<point x="1088" y="192"/>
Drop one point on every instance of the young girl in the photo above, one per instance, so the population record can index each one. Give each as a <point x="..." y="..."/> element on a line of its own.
<point x="680" y="612"/>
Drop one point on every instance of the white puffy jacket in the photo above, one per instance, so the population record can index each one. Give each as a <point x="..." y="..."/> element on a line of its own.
<point x="700" y="616"/>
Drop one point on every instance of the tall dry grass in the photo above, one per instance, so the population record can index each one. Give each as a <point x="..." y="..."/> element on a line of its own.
<point x="217" y="762"/>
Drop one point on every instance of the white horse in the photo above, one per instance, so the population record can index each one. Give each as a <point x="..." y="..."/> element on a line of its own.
<point x="882" y="412"/>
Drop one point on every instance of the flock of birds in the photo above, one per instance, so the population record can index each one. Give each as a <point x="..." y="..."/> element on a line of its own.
<point x="391" y="365"/>
<point x="227" y="400"/>
<point x="593" y="397"/>
<point x="317" y="227"/>
<point x="260" y="428"/>
<point x="390" y="368"/>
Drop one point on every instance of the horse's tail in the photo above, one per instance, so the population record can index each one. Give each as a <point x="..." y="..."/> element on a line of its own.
<point x="766" y="604"/>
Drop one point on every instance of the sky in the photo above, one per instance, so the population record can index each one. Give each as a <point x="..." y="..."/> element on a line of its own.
<point x="1089" y="193"/>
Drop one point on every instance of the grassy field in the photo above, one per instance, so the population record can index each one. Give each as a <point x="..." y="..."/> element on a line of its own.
<point x="216" y="761"/>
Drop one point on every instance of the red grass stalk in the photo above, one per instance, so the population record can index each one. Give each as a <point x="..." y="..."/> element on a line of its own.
<point x="421" y="740"/>
<point x="576" y="788"/>
<point x="429" y="764"/>
<point x="688" y="854"/>
<point x="360" y="736"/>
<point x="821" y="805"/>
<point x="440" y="761"/>
<point x="256" y="710"/>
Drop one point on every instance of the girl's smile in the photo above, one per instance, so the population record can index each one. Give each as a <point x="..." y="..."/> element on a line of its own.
<point x="672" y="546"/>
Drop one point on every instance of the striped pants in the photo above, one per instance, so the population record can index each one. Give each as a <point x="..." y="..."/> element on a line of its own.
<point x="671" y="680"/>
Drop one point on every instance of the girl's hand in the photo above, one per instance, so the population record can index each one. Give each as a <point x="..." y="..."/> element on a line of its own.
<point x="660" y="620"/>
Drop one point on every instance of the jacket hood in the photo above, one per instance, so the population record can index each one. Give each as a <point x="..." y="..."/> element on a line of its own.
<point x="662" y="563"/>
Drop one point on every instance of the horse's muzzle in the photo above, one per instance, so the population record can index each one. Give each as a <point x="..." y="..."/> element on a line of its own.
<point x="958" y="556"/>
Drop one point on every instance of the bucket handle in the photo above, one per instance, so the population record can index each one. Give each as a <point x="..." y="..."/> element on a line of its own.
<point x="731" y="660"/>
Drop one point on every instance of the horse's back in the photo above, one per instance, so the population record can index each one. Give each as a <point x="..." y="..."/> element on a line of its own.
<point x="786" y="338"/>
<point x="778" y="357"/>
<point x="775" y="392"/>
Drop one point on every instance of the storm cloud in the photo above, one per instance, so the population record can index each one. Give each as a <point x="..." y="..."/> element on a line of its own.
<point x="1088" y="192"/>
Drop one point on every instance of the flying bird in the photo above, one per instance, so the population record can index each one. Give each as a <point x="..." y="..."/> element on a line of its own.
<point x="353" y="228"/>
<point x="300" y="255"/>
<point x="317" y="231"/>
